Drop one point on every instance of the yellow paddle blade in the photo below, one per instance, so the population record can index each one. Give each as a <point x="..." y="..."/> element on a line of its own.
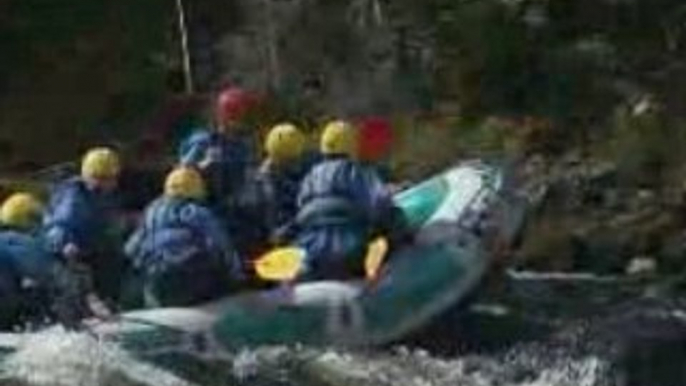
<point x="280" y="264"/>
<point x="376" y="252"/>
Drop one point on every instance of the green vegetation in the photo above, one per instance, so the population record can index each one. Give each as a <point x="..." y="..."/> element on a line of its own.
<point x="74" y="72"/>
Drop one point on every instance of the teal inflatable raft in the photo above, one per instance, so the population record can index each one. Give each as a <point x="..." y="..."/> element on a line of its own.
<point x="461" y="217"/>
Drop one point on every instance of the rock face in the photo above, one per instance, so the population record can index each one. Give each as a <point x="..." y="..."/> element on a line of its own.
<point x="342" y="57"/>
<point x="591" y="218"/>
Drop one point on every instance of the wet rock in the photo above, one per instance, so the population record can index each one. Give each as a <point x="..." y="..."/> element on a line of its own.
<point x="592" y="217"/>
<point x="654" y="353"/>
<point x="643" y="199"/>
<point x="612" y="200"/>
<point x="646" y="195"/>
<point x="573" y="158"/>
<point x="673" y="252"/>
<point x="642" y="266"/>
<point x="598" y="248"/>
<point x="601" y="172"/>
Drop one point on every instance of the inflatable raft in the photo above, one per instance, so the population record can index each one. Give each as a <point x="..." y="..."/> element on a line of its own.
<point x="463" y="217"/>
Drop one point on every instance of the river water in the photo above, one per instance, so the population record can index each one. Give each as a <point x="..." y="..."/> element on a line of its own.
<point x="535" y="335"/>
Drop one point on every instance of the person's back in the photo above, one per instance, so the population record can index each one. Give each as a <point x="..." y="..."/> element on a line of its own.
<point x="341" y="205"/>
<point x="27" y="267"/>
<point x="74" y="215"/>
<point x="280" y="175"/>
<point x="181" y="250"/>
<point x="222" y="154"/>
<point x="223" y="160"/>
<point x="27" y="253"/>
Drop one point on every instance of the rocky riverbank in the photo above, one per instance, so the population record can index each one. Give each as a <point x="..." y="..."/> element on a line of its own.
<point x="589" y="217"/>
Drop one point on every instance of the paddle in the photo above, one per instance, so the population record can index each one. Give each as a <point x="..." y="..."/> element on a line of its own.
<point x="376" y="254"/>
<point x="283" y="264"/>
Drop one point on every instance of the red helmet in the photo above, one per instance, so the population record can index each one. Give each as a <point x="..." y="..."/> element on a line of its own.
<point x="232" y="104"/>
<point x="376" y="138"/>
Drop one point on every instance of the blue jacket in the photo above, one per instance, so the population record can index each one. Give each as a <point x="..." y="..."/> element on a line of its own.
<point x="340" y="205"/>
<point x="175" y="231"/>
<point x="23" y="260"/>
<point x="280" y="188"/>
<point x="27" y="254"/>
<point x="344" y="179"/>
<point x="77" y="215"/>
<point x="231" y="158"/>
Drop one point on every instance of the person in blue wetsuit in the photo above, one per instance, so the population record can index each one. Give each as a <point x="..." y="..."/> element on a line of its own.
<point x="43" y="287"/>
<point x="35" y="287"/>
<point x="342" y="205"/>
<point x="281" y="173"/>
<point x="223" y="155"/>
<point x="25" y="266"/>
<point x="181" y="252"/>
<point x="81" y="228"/>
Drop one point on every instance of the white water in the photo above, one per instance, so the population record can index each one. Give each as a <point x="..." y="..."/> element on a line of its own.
<point x="579" y="350"/>
<point x="417" y="368"/>
<point x="66" y="359"/>
<point x="59" y="358"/>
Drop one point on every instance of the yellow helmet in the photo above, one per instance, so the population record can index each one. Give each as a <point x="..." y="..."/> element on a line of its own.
<point x="284" y="142"/>
<point x="21" y="210"/>
<point x="100" y="163"/>
<point x="339" y="137"/>
<point x="184" y="182"/>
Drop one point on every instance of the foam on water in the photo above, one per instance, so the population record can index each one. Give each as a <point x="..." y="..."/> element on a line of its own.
<point x="60" y="358"/>
<point x="580" y="352"/>
<point x="418" y="368"/>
